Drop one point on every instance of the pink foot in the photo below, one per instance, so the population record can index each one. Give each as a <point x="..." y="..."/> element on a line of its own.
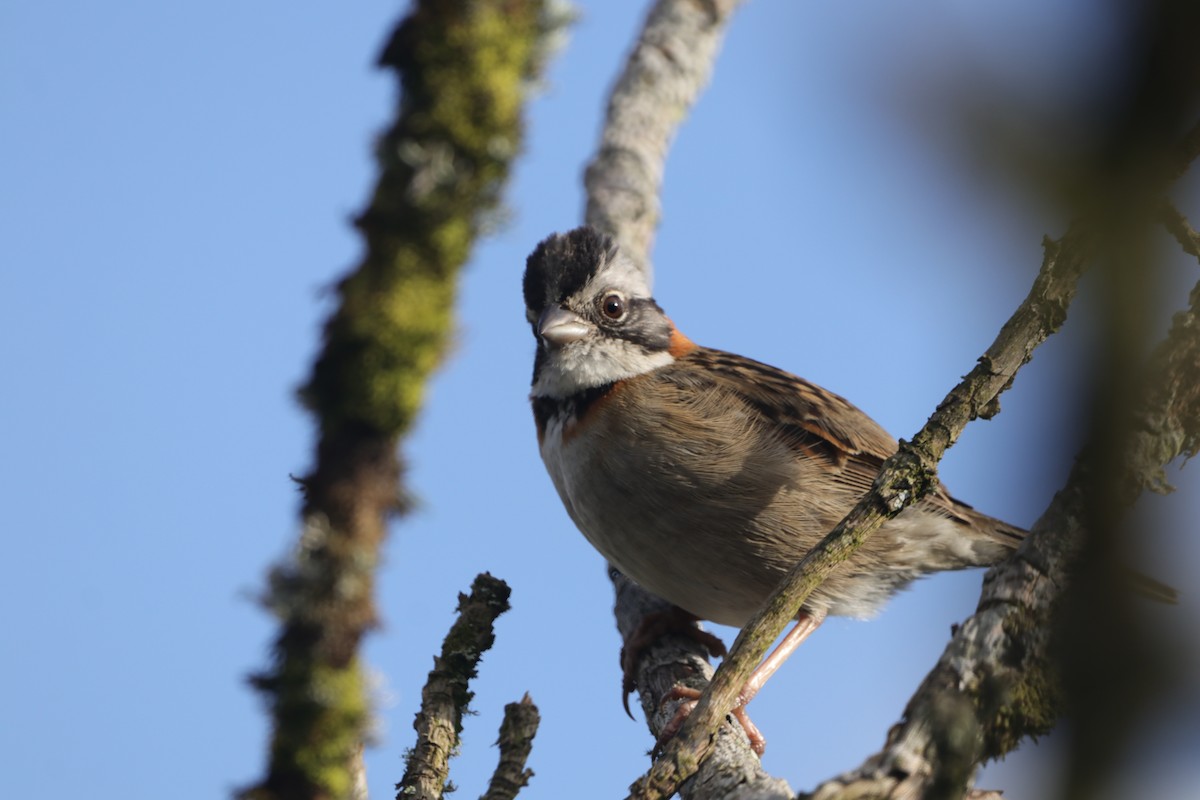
<point x="758" y="742"/>
<point x="806" y="623"/>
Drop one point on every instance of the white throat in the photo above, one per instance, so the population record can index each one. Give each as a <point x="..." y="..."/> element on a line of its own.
<point x="590" y="363"/>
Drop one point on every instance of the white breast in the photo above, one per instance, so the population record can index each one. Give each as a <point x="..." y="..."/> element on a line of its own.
<point x="563" y="465"/>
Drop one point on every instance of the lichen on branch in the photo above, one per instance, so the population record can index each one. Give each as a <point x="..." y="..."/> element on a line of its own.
<point x="465" y="70"/>
<point x="447" y="694"/>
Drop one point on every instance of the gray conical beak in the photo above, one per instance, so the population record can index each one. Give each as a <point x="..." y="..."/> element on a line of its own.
<point x="558" y="327"/>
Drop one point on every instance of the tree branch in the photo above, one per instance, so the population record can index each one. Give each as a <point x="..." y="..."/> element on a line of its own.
<point x="664" y="74"/>
<point x="464" y="70"/>
<point x="446" y="695"/>
<point x="733" y="770"/>
<point x="517" y="730"/>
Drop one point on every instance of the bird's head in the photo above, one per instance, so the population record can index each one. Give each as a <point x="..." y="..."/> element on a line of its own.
<point x="592" y="315"/>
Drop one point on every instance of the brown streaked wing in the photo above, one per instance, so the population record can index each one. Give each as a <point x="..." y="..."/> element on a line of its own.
<point x="786" y="399"/>
<point x="826" y="426"/>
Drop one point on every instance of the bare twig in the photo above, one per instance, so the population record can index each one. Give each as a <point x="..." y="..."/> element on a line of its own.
<point x="517" y="730"/>
<point x="446" y="694"/>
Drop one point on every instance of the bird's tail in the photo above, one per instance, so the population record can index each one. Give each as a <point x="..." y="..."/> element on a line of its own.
<point x="1138" y="582"/>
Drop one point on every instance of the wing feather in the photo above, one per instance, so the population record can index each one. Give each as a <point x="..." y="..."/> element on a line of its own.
<point x="815" y="422"/>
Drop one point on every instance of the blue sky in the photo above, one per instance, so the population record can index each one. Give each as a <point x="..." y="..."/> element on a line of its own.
<point x="175" y="189"/>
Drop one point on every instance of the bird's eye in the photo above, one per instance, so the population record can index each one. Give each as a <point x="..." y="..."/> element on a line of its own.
<point x="613" y="306"/>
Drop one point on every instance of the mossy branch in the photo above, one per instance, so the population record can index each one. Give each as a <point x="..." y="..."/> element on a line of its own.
<point x="465" y="69"/>
<point x="517" y="730"/>
<point x="447" y="694"/>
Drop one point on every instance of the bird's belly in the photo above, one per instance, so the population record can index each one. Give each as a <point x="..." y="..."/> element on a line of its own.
<point x="717" y="542"/>
<point x="693" y="548"/>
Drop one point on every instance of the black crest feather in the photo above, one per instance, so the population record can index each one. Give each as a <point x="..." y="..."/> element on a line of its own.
<point x="562" y="263"/>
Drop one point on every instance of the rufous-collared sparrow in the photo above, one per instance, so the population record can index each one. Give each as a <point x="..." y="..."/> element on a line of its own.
<point x="705" y="476"/>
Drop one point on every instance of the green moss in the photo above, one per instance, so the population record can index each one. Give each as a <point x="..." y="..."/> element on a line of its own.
<point x="1029" y="705"/>
<point x="465" y="68"/>
<point x="320" y="714"/>
<point x="339" y="699"/>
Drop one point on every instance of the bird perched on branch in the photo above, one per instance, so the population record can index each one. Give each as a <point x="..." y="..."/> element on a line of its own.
<point x="706" y="476"/>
